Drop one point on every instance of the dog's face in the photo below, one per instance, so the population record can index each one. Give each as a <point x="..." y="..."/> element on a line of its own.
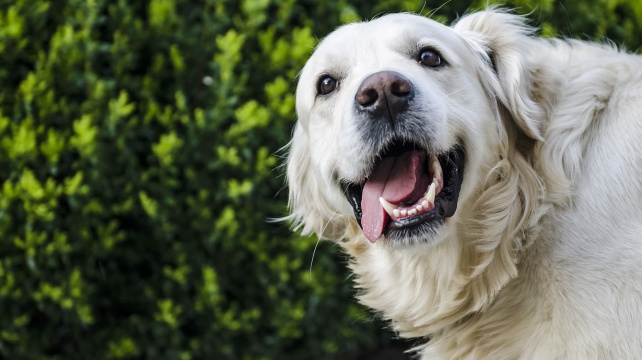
<point x="398" y="119"/>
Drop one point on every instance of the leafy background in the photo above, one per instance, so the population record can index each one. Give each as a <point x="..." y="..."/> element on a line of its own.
<point x="139" y="161"/>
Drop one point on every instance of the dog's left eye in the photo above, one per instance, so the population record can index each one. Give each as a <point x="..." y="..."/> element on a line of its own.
<point x="430" y="58"/>
<point x="326" y="85"/>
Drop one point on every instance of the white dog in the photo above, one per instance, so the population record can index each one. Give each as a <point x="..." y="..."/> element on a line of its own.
<point x="486" y="183"/>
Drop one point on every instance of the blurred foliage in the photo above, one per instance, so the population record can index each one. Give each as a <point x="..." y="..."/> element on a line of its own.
<point x="138" y="166"/>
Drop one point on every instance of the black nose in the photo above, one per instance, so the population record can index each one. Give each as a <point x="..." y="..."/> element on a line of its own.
<point x="386" y="93"/>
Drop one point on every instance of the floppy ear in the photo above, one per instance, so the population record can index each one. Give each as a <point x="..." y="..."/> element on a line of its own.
<point x="309" y="209"/>
<point x="504" y="40"/>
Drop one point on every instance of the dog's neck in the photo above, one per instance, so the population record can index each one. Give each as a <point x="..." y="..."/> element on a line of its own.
<point x="429" y="291"/>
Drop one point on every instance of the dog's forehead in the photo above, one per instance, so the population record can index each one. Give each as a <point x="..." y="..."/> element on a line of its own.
<point x="388" y="36"/>
<point x="400" y="32"/>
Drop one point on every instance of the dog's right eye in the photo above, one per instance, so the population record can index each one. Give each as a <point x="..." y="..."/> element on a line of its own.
<point x="326" y="85"/>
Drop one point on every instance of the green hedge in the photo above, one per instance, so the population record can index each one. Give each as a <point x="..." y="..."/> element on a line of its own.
<point x="139" y="163"/>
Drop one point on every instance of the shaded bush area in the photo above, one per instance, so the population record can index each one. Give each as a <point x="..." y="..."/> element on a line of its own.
<point x="138" y="166"/>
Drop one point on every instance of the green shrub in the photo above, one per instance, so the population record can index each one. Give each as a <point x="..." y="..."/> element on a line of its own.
<point x="138" y="166"/>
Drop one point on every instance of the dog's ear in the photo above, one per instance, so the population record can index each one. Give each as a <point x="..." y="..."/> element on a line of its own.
<point x="503" y="40"/>
<point x="309" y="209"/>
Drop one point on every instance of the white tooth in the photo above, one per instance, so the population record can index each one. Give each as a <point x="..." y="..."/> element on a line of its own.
<point x="404" y="212"/>
<point x="433" y="159"/>
<point x="430" y="194"/>
<point x="438" y="173"/>
<point x="434" y="182"/>
<point x="412" y="212"/>
<point x="396" y="213"/>
<point x="390" y="209"/>
<point x="419" y="207"/>
<point x="425" y="204"/>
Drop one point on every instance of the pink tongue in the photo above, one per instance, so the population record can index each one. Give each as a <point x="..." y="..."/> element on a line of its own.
<point x="395" y="179"/>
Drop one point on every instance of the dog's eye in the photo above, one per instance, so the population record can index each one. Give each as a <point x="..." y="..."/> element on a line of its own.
<point x="326" y="85"/>
<point x="430" y="57"/>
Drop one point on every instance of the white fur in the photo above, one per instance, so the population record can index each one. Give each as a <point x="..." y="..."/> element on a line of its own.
<point x="543" y="258"/>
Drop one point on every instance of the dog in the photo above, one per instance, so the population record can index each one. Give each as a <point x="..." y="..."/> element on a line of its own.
<point x="485" y="182"/>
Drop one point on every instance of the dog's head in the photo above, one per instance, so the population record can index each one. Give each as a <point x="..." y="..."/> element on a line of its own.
<point x="401" y="120"/>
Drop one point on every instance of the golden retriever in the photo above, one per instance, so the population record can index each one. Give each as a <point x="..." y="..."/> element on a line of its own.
<point x="485" y="182"/>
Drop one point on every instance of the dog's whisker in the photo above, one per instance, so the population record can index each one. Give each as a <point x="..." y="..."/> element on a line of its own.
<point x="319" y="239"/>
<point x="423" y="7"/>
<point x="432" y="12"/>
<point x="458" y="90"/>
<point x="314" y="253"/>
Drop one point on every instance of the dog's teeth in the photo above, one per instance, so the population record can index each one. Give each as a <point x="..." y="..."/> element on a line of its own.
<point x="436" y="168"/>
<point x="426" y="203"/>
<point x="430" y="194"/>
<point x="390" y="209"/>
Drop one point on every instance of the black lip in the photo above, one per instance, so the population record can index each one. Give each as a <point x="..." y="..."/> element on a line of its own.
<point x="452" y="164"/>
<point x="353" y="193"/>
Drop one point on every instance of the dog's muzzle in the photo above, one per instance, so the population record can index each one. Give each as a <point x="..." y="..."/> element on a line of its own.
<point x="411" y="188"/>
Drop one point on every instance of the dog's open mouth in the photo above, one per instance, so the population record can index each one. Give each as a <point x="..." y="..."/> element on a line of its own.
<point x="409" y="193"/>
